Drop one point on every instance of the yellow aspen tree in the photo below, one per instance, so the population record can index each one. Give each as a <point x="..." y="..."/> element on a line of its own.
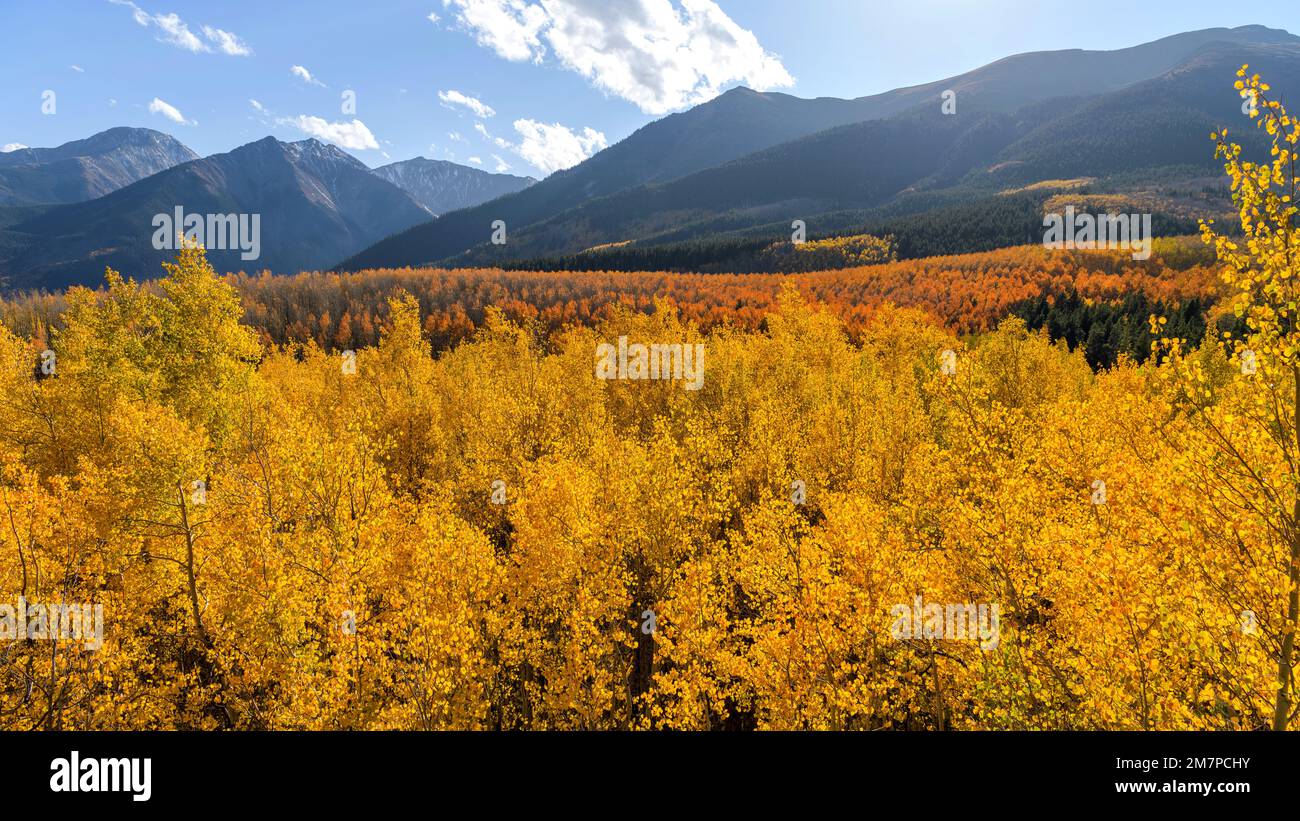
<point x="1251" y="420"/>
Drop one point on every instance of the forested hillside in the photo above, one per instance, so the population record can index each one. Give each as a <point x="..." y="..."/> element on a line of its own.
<point x="967" y="293"/>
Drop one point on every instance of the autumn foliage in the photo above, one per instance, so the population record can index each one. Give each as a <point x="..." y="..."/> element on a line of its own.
<point x="283" y="536"/>
<point x="969" y="293"/>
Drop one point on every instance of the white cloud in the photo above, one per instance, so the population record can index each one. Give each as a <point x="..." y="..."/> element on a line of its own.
<point x="476" y="160"/>
<point x="7" y="147"/>
<point x="352" y="134"/>
<point x="552" y="147"/>
<point x="433" y="17"/>
<point x="255" y="104"/>
<point x="176" y="32"/>
<point x="136" y="12"/>
<point x="455" y="98"/>
<point x="455" y="137"/>
<point x="487" y="135"/>
<point x="555" y="147"/>
<point x="112" y="102"/>
<point x="649" y="52"/>
<point x="169" y="111"/>
<point x="508" y="27"/>
<point x="77" y="68"/>
<point x="303" y="74"/>
<point x="226" y="42"/>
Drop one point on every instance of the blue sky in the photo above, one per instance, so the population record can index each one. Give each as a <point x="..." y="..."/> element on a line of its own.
<point x="524" y="85"/>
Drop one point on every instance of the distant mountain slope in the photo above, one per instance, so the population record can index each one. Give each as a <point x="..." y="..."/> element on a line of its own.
<point x="852" y="166"/>
<point x="742" y="122"/>
<point x="1163" y="121"/>
<point x="85" y="169"/>
<point x="1138" y="130"/>
<point x="732" y="125"/>
<point x="316" y="205"/>
<point x="1013" y="82"/>
<point x="442" y="186"/>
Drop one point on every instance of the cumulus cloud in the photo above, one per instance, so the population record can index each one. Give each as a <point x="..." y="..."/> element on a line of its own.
<point x="303" y="74"/>
<point x="476" y="160"/>
<point x="433" y="17"/>
<point x="255" y="104"/>
<point x="353" y="134"/>
<point x="649" y="52"/>
<point x="169" y="111"/>
<point x="175" y="31"/>
<point x="555" y="147"/>
<point x="7" y="147"/>
<point x="454" y="98"/>
<point x="550" y="147"/>
<point x="508" y="27"/>
<point x="502" y="165"/>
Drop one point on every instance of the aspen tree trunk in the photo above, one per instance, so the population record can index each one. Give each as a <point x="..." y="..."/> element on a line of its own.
<point x="189" y="573"/>
<point x="224" y="714"/>
<point x="1285" y="671"/>
<point x="1282" y="708"/>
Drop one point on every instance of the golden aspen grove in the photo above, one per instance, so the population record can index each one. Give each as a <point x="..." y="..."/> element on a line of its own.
<point x="485" y="534"/>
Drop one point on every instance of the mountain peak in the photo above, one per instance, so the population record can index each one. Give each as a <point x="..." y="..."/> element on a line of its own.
<point x="441" y="186"/>
<point x="310" y="151"/>
<point x="100" y="143"/>
<point x="88" y="168"/>
<point x="1266" y="33"/>
<point x="311" y="145"/>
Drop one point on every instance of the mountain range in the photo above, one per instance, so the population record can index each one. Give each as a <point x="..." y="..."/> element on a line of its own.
<point x="91" y="204"/>
<point x="1018" y="122"/>
<point x="964" y="162"/>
